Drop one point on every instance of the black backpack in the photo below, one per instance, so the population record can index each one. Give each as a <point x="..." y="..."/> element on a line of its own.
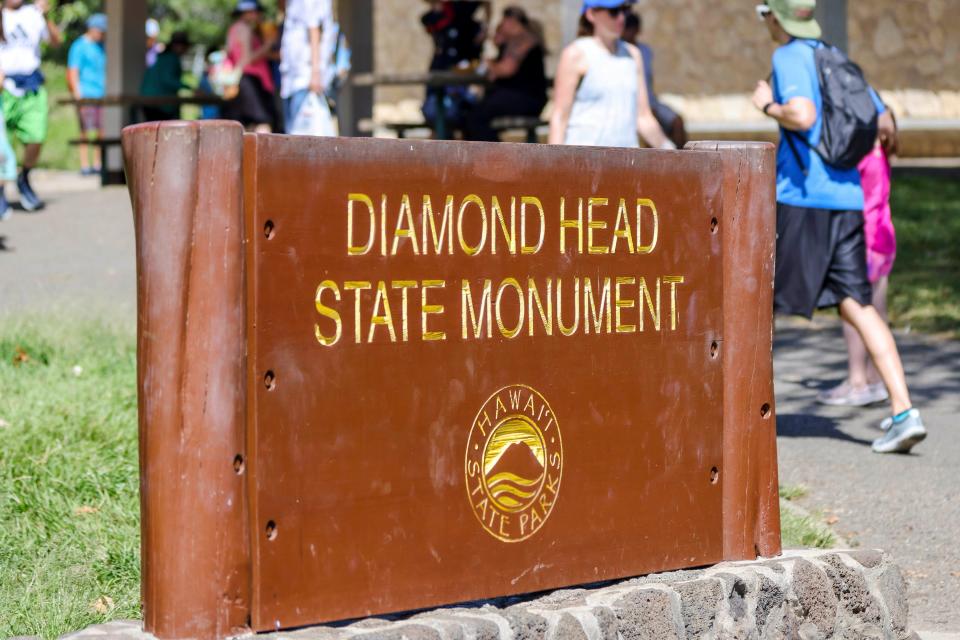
<point x="848" y="116"/>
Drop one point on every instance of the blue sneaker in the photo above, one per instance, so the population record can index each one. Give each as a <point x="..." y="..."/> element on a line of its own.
<point x="28" y="199"/>
<point x="901" y="435"/>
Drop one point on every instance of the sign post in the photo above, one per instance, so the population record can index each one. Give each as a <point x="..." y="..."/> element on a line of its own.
<point x="378" y="376"/>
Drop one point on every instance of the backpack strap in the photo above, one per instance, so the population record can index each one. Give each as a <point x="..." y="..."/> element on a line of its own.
<point x="788" y="134"/>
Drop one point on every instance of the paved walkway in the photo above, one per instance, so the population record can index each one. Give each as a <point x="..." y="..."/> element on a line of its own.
<point x="908" y="505"/>
<point x="79" y="254"/>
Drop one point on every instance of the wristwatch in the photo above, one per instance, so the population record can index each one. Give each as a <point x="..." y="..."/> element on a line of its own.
<point x="766" y="107"/>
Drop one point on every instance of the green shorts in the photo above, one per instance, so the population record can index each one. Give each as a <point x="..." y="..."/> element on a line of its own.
<point x="26" y="115"/>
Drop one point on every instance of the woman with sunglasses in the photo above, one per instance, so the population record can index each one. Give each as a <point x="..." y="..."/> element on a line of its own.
<point x="600" y="94"/>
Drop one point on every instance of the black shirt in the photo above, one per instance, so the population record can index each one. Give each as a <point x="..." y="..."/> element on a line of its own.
<point x="455" y="33"/>
<point x="530" y="78"/>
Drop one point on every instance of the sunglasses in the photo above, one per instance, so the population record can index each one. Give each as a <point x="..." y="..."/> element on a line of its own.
<point x="762" y="11"/>
<point x="616" y="12"/>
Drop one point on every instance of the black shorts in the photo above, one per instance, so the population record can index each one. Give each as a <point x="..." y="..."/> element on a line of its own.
<point x="821" y="259"/>
<point x="253" y="104"/>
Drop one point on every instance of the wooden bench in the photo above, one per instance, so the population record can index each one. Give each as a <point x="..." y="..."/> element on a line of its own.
<point x="367" y="125"/>
<point x="131" y="104"/>
<point x="107" y="177"/>
<point x="529" y="124"/>
<point x="401" y="128"/>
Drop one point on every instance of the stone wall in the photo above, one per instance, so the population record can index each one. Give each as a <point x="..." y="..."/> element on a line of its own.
<point x="803" y="594"/>
<point x="705" y="48"/>
<point x="907" y="44"/>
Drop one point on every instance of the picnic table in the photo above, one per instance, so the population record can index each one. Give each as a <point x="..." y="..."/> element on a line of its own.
<point x="130" y="102"/>
<point x="429" y="79"/>
<point x="143" y="101"/>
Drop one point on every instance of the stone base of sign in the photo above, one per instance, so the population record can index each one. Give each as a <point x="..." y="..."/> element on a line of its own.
<point x="802" y="594"/>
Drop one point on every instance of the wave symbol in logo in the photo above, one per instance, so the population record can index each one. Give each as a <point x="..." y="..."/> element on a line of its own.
<point x="513" y="463"/>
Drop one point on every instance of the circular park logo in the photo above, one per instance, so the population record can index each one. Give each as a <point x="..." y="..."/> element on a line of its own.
<point x="513" y="464"/>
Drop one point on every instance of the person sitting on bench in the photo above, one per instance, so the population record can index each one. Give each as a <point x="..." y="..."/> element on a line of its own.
<point x="165" y="78"/>
<point x="519" y="82"/>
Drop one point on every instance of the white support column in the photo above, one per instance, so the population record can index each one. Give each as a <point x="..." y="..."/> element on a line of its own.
<point x="570" y="16"/>
<point x="356" y="103"/>
<point x="126" y="48"/>
<point x="832" y="16"/>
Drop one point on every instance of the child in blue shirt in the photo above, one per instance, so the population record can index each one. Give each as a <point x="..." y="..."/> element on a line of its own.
<point x="87" y="78"/>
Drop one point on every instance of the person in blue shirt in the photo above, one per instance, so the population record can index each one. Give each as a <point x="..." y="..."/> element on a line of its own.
<point x="669" y="120"/>
<point x="821" y="254"/>
<point x="87" y="78"/>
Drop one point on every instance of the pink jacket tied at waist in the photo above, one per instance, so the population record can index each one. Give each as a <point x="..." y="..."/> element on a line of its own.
<point x="878" y="228"/>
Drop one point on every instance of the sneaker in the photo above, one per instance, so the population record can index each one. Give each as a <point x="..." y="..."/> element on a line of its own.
<point x="28" y="199"/>
<point x="901" y="436"/>
<point x="847" y="396"/>
<point x="87" y="171"/>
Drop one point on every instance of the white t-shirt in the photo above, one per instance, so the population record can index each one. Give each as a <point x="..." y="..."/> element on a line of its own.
<point x="23" y="30"/>
<point x="301" y="15"/>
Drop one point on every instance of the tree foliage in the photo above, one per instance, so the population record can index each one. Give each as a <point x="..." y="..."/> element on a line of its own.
<point x="205" y="21"/>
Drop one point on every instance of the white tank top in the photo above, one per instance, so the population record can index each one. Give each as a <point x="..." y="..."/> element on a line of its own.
<point x="604" y="109"/>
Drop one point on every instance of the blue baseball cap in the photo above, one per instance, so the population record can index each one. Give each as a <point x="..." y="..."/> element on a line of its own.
<point x="97" y="21"/>
<point x="248" y="5"/>
<point x="604" y="4"/>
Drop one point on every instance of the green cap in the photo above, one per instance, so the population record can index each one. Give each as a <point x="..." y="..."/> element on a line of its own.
<point x="796" y="17"/>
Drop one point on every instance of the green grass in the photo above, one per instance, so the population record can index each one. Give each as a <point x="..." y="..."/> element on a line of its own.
<point x="800" y="530"/>
<point x="793" y="492"/>
<point x="797" y="528"/>
<point x="62" y="125"/>
<point x="69" y="502"/>
<point x="925" y="283"/>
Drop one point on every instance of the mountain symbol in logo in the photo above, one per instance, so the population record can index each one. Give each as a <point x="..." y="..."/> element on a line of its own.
<point x="513" y="463"/>
<point x="515" y="476"/>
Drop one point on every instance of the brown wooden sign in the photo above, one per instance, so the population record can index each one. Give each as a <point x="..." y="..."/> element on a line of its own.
<point x="461" y="370"/>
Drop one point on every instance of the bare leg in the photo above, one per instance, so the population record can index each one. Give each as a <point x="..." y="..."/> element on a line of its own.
<point x="857" y="357"/>
<point x="97" y="160"/>
<point x="880" y="304"/>
<point x="84" y="156"/>
<point x="860" y="367"/>
<point x="31" y="153"/>
<point x="879" y="342"/>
